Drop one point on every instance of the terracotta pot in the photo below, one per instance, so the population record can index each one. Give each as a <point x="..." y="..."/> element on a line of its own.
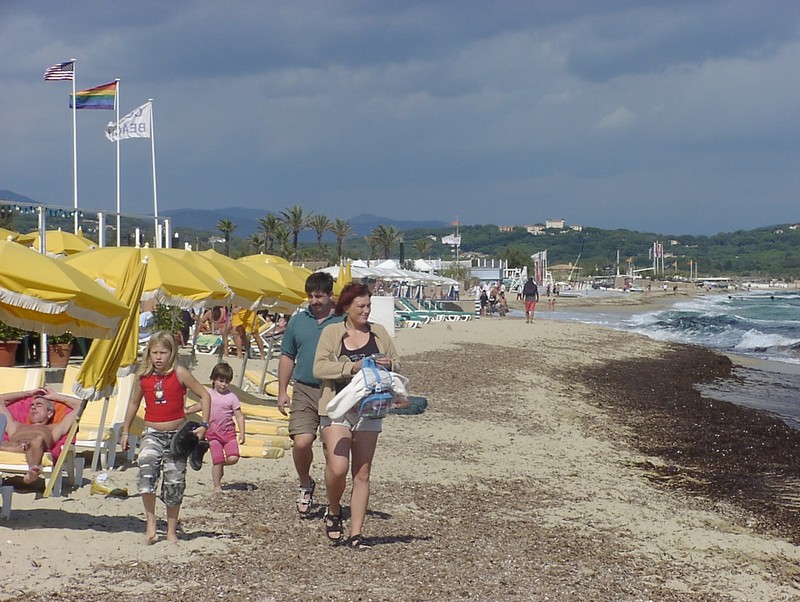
<point x="8" y="353"/>
<point x="58" y="354"/>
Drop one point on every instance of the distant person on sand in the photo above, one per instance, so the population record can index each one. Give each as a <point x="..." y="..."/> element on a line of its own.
<point x="350" y="440"/>
<point x="40" y="435"/>
<point x="163" y="384"/>
<point x="226" y="416"/>
<point x="297" y="360"/>
<point x="530" y="292"/>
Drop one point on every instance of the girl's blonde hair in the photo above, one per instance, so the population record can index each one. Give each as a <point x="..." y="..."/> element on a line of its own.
<point x="161" y="338"/>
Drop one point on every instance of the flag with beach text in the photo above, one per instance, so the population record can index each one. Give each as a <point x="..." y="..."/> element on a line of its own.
<point x="136" y="124"/>
<point x="100" y="97"/>
<point x="60" y="72"/>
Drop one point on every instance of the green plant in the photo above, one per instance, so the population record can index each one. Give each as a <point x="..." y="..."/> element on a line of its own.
<point x="57" y="339"/>
<point x="166" y="318"/>
<point x="10" y="333"/>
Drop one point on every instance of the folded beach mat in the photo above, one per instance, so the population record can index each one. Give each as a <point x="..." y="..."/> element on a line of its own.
<point x="418" y="405"/>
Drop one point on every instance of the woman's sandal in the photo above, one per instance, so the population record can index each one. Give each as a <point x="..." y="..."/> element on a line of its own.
<point x="333" y="527"/>
<point x="305" y="499"/>
<point x="357" y="542"/>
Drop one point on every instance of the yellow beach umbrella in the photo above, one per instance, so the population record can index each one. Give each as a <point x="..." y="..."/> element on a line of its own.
<point x="270" y="258"/>
<point x="6" y="234"/>
<point x="57" y="242"/>
<point x="293" y="278"/>
<point x="271" y="290"/>
<point x="243" y="292"/>
<point x="109" y="358"/>
<point x="43" y="294"/>
<point x="114" y="357"/>
<point x="344" y="278"/>
<point x="169" y="280"/>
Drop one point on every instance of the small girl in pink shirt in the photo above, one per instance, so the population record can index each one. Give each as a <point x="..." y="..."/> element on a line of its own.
<point x="221" y="435"/>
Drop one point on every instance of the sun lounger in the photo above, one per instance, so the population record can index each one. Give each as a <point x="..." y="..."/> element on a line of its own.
<point x="20" y="379"/>
<point x="111" y="428"/>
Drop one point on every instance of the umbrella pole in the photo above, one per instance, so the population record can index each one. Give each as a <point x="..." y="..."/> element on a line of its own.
<point x="48" y="490"/>
<point x="267" y="358"/>
<point x="100" y="429"/>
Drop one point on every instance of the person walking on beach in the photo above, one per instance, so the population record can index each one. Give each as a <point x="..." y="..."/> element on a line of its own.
<point x="226" y="416"/>
<point x="297" y="359"/>
<point x="163" y="384"/>
<point x="530" y="292"/>
<point x="340" y="354"/>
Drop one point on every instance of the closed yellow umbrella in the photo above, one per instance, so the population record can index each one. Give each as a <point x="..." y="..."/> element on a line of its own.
<point x="109" y="358"/>
<point x="169" y="280"/>
<point x="114" y="357"/>
<point x="57" y="242"/>
<point x="43" y="294"/>
<point x="344" y="278"/>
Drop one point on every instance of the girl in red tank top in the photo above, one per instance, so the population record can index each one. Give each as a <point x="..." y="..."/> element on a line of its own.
<point x="162" y="383"/>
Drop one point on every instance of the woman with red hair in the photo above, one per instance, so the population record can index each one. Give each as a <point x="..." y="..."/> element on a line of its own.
<point x="351" y="440"/>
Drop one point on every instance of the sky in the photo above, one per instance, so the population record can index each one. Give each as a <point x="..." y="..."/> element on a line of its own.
<point x="662" y="116"/>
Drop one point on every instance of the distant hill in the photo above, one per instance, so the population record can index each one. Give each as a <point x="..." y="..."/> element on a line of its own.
<point x="12" y="197"/>
<point x="246" y="221"/>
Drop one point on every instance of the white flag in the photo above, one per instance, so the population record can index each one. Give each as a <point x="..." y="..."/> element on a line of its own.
<point x="135" y="124"/>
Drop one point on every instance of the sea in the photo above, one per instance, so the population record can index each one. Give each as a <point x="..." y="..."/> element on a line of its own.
<point x="759" y="330"/>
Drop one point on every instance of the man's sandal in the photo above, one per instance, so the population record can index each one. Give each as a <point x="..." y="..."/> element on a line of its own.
<point x="357" y="542"/>
<point x="333" y="527"/>
<point x="305" y="499"/>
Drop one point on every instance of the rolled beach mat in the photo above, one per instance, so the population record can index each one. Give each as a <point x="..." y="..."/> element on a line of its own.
<point x="270" y="383"/>
<point x="266" y="427"/>
<point x="257" y="451"/>
<point x="259" y="411"/>
<point x="269" y="441"/>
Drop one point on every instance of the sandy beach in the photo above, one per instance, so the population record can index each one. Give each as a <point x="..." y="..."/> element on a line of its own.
<point x="557" y="461"/>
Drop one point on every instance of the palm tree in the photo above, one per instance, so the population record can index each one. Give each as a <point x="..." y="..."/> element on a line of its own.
<point x="320" y="224"/>
<point x="269" y="225"/>
<point x="296" y="220"/>
<point x="258" y="241"/>
<point x="282" y="235"/>
<point x="423" y="246"/>
<point x="341" y="229"/>
<point x="226" y="227"/>
<point x="384" y="237"/>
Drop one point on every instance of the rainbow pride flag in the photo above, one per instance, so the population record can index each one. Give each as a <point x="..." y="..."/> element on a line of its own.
<point x="101" y="97"/>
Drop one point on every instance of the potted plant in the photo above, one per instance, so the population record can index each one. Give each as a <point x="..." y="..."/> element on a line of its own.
<point x="10" y="338"/>
<point x="167" y="318"/>
<point x="59" y="349"/>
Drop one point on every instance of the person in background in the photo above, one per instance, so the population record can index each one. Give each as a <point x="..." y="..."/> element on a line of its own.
<point x="297" y="360"/>
<point x="530" y="293"/>
<point x="351" y="440"/>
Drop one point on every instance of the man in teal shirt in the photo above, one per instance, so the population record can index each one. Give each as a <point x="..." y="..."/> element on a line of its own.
<point x="297" y="360"/>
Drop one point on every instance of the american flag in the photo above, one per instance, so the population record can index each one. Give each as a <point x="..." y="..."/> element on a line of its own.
<point x="60" y="72"/>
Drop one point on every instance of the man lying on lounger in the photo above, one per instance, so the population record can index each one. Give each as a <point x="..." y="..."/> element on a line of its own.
<point x="38" y="437"/>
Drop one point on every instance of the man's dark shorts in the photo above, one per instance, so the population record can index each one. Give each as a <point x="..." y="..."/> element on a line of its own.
<point x="304" y="417"/>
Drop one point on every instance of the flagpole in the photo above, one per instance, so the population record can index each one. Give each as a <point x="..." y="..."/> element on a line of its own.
<point x="74" y="148"/>
<point x="116" y="102"/>
<point x="155" y="188"/>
